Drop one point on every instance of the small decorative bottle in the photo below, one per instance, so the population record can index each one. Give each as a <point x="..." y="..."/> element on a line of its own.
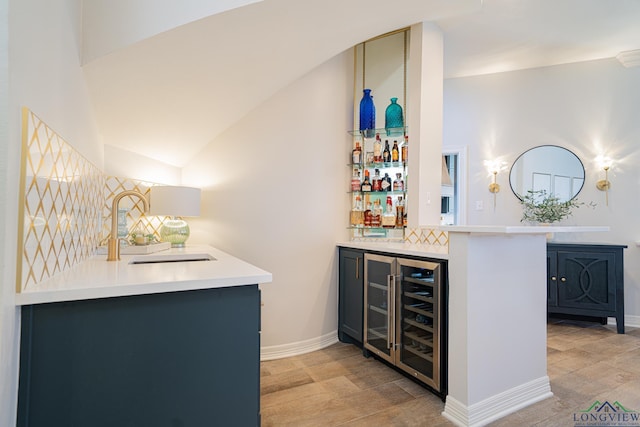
<point x="377" y="149"/>
<point x="376" y="214"/>
<point x="357" y="214"/>
<point x="356" y="154"/>
<point x="395" y="153"/>
<point x="355" y="180"/>
<point x="394" y="121"/>
<point x="376" y="181"/>
<point x="400" y="212"/>
<point x="385" y="185"/>
<point x="367" y="114"/>
<point x="366" y="184"/>
<point x="398" y="183"/>
<point x="368" y="216"/>
<point x="386" y="154"/>
<point x="389" y="217"/>
<point x="405" y="149"/>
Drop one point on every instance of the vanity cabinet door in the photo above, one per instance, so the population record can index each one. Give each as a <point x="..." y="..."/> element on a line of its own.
<point x="586" y="280"/>
<point x="351" y="295"/>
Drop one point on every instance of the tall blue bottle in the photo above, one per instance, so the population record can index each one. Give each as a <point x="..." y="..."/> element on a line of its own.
<point x="367" y="115"/>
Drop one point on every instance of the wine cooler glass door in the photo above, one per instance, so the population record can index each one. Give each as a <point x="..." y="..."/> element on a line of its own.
<point x="418" y="332"/>
<point x="379" y="305"/>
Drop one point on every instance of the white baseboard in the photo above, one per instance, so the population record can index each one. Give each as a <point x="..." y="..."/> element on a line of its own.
<point x="498" y="406"/>
<point x="631" y="321"/>
<point x="300" y="347"/>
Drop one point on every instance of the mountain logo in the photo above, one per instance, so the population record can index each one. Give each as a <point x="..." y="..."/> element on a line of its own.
<point x="605" y="413"/>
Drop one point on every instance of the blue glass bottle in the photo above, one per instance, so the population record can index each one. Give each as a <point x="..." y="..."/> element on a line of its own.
<point x="367" y="115"/>
<point x="393" y="120"/>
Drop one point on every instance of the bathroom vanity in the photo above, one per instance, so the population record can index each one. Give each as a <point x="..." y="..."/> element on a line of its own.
<point x="164" y="343"/>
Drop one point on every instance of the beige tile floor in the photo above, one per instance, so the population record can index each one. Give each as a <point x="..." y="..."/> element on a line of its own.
<point x="337" y="386"/>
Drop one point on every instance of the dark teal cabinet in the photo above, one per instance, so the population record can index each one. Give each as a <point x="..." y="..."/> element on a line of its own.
<point x="586" y="280"/>
<point x="351" y="295"/>
<point x="174" y="359"/>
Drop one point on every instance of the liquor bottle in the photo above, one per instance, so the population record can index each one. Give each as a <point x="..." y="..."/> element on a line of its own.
<point x="376" y="181"/>
<point x="376" y="214"/>
<point x="366" y="184"/>
<point x="395" y="154"/>
<point x="405" y="149"/>
<point x="389" y="217"/>
<point x="386" y="154"/>
<point x="386" y="183"/>
<point x="368" y="216"/>
<point x="398" y="183"/>
<point x="400" y="212"/>
<point x="355" y="180"/>
<point x="377" y="149"/>
<point x="357" y="214"/>
<point x="356" y="154"/>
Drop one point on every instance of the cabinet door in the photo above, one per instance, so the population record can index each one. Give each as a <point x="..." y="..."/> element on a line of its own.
<point x="379" y="304"/>
<point x="419" y="320"/>
<point x="351" y="298"/>
<point x="586" y="280"/>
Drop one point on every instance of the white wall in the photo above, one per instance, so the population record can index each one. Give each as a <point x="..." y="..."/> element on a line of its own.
<point x="590" y="108"/>
<point x="44" y="74"/>
<point x="8" y="313"/>
<point x="123" y="163"/>
<point x="275" y="195"/>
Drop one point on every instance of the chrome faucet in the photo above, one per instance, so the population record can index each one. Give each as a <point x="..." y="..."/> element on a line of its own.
<point x="113" y="244"/>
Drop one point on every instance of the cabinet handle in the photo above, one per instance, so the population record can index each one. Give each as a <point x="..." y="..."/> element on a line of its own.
<point x="357" y="267"/>
<point x="392" y="309"/>
<point x="554" y="278"/>
<point x="563" y="279"/>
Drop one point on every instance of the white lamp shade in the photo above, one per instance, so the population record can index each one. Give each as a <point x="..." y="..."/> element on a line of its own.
<point x="174" y="201"/>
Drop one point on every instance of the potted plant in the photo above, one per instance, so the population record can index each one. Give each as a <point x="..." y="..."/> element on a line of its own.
<point x="540" y="208"/>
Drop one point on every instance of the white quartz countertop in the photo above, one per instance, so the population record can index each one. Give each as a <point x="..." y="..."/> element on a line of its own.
<point x="98" y="278"/>
<point x="426" y="251"/>
<point x="521" y="229"/>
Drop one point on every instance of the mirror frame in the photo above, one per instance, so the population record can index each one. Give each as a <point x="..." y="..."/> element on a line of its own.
<point x="584" y="172"/>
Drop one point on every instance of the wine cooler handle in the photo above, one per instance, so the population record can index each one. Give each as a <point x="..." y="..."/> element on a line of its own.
<point x="389" y="318"/>
<point x="357" y="267"/>
<point x="392" y="310"/>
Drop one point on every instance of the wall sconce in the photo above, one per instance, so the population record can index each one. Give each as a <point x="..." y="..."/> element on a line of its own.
<point x="494" y="187"/>
<point x="604" y="184"/>
<point x="494" y="166"/>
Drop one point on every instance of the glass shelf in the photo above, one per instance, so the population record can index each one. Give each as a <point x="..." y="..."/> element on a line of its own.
<point x="395" y="132"/>
<point x="378" y="165"/>
<point x="367" y="228"/>
<point x="389" y="193"/>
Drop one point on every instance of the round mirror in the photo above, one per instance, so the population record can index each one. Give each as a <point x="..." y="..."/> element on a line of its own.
<point x="548" y="168"/>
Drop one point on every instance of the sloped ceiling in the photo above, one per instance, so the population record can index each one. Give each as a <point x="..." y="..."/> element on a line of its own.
<point x="168" y="95"/>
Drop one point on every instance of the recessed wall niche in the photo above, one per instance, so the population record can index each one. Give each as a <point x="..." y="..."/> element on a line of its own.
<point x="381" y="65"/>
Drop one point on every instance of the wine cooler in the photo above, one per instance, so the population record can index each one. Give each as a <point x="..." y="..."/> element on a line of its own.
<point x="403" y="319"/>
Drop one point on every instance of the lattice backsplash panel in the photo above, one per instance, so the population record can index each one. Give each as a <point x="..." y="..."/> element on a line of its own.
<point x="61" y="213"/>
<point x="131" y="207"/>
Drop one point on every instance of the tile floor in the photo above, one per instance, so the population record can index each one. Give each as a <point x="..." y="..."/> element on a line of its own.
<point x="337" y="386"/>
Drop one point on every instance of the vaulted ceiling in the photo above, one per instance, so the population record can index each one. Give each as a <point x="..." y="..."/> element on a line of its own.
<point x="167" y="92"/>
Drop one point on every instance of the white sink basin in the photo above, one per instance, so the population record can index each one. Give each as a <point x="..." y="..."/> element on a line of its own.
<point x="164" y="258"/>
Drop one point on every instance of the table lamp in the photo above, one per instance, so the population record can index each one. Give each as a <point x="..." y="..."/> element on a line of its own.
<point x="176" y="202"/>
